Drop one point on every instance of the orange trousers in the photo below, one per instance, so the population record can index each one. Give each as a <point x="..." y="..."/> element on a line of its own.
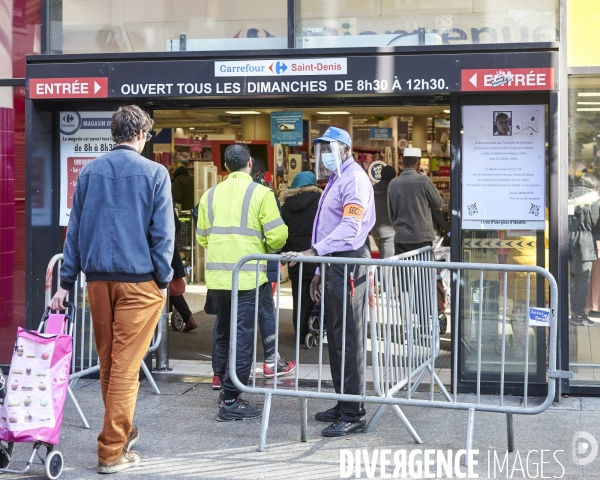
<point x="124" y="316"/>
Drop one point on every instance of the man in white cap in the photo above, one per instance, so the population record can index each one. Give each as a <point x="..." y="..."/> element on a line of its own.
<point x="411" y="198"/>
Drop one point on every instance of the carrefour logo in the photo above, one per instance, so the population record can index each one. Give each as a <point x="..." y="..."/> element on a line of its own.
<point x="293" y="67"/>
<point x="278" y="67"/>
<point x="70" y="122"/>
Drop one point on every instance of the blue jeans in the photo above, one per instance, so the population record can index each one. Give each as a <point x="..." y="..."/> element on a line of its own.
<point x="245" y="333"/>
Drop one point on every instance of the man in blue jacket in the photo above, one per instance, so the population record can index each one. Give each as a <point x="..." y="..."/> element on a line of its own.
<point x="121" y="234"/>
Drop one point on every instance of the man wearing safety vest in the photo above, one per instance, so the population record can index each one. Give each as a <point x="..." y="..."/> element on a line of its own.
<point x="236" y="218"/>
<point x="345" y="216"/>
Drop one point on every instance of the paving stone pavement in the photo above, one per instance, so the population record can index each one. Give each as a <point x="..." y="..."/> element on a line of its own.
<point x="180" y="438"/>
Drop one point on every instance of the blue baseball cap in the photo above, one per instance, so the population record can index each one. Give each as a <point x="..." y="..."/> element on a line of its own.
<point x="334" y="134"/>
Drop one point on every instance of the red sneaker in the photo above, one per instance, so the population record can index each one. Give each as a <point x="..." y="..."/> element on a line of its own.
<point x="216" y="383"/>
<point x="283" y="368"/>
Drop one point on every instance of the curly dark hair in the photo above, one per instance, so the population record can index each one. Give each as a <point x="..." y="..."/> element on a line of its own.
<point x="127" y="122"/>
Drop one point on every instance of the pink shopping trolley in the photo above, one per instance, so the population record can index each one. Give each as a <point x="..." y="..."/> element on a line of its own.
<point x="36" y="390"/>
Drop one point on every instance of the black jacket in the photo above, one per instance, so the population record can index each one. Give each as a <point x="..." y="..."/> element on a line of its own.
<point x="383" y="226"/>
<point x="298" y="210"/>
<point x="176" y="263"/>
<point x="182" y="188"/>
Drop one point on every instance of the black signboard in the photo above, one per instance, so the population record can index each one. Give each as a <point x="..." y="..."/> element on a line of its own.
<point x="352" y="75"/>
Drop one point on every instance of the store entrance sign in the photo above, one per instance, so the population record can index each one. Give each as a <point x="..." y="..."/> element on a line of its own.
<point x="83" y="87"/>
<point x="281" y="76"/>
<point x="509" y="79"/>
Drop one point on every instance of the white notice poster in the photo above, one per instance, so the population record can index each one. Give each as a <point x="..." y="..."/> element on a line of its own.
<point x="504" y="167"/>
<point x="83" y="137"/>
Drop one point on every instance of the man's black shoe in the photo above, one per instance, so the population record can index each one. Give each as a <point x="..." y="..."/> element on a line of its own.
<point x="328" y="416"/>
<point x="240" y="410"/>
<point x="341" y="428"/>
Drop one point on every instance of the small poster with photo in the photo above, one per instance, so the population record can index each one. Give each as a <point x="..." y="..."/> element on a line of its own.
<point x="502" y="123"/>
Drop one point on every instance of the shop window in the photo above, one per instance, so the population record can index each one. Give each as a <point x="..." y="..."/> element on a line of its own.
<point x="584" y="229"/>
<point x="102" y="26"/>
<point x="357" y="23"/>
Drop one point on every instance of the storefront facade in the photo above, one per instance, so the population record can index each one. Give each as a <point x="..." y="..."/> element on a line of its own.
<point x="489" y="64"/>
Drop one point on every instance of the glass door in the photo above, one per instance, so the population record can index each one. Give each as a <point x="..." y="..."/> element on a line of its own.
<point x="503" y="215"/>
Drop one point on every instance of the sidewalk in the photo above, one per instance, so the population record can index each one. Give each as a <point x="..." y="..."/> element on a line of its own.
<point x="180" y="438"/>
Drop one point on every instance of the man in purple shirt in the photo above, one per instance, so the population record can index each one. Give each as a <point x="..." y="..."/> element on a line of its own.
<point x="344" y="219"/>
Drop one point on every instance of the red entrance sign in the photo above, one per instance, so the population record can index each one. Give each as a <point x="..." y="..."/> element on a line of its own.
<point x="507" y="79"/>
<point x="83" y="87"/>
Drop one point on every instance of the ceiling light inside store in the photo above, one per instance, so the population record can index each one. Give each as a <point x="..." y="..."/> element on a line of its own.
<point x="588" y="94"/>
<point x="341" y="112"/>
<point x="588" y="103"/>
<point x="596" y="109"/>
<point x="446" y="111"/>
<point x="242" y="112"/>
<point x="192" y="128"/>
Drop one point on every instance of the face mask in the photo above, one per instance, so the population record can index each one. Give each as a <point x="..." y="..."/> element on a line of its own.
<point x="330" y="161"/>
<point x="330" y="156"/>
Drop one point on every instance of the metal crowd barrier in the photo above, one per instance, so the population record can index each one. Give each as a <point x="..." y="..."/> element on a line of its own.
<point x="85" y="356"/>
<point x="402" y="331"/>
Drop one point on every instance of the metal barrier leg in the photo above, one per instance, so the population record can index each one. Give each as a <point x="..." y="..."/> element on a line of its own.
<point x="150" y="378"/>
<point x="304" y="419"/>
<point x="510" y="430"/>
<point x="470" y="427"/>
<point x="418" y="382"/>
<point x="440" y="385"/>
<point x="407" y="424"/>
<point x="78" y="408"/>
<point x="375" y="418"/>
<point x="262" y="442"/>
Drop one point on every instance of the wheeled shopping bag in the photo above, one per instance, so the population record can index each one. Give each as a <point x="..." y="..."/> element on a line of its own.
<point x="36" y="390"/>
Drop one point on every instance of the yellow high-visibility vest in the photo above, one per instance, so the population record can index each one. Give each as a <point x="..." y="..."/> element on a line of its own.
<point x="235" y="218"/>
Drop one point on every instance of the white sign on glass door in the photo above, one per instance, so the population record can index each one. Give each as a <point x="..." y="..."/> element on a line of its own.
<point x="504" y="167"/>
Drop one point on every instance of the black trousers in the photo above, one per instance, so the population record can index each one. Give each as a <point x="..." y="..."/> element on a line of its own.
<point x="245" y="333"/>
<point x="305" y="303"/>
<point x="355" y="348"/>
<point x="579" y="281"/>
<point x="179" y="304"/>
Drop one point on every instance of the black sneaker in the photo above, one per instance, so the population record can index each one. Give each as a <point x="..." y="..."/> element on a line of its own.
<point x="240" y="410"/>
<point x="587" y="322"/>
<point x="329" y="416"/>
<point x="576" y="321"/>
<point x="340" y="428"/>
